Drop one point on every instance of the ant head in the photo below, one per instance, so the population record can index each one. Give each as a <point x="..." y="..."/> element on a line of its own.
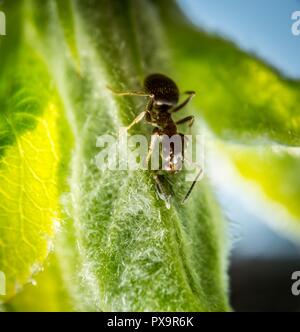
<point x="162" y="105"/>
<point x="165" y="91"/>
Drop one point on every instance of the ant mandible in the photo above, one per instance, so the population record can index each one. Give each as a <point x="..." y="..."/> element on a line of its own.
<point x="164" y="97"/>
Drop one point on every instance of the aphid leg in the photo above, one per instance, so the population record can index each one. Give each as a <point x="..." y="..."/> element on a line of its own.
<point x="200" y="172"/>
<point x="180" y="106"/>
<point x="190" y="119"/>
<point x="161" y="191"/>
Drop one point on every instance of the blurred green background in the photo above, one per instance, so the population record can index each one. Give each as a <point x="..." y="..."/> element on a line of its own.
<point x="262" y="259"/>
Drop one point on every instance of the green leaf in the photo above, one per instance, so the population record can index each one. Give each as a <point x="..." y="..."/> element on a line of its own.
<point x="128" y="238"/>
<point x="136" y="254"/>
<point x="241" y="98"/>
<point x="141" y="256"/>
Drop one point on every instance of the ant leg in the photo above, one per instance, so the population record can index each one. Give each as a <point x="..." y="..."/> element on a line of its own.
<point x="161" y="191"/>
<point x="190" y="119"/>
<point x="192" y="186"/>
<point x="180" y="106"/>
<point x="141" y="115"/>
<point x="200" y="172"/>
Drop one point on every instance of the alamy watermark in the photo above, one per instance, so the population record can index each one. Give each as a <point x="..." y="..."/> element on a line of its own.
<point x="296" y="25"/>
<point x="2" y="284"/>
<point x="296" y="284"/>
<point x="2" y="24"/>
<point x="161" y="152"/>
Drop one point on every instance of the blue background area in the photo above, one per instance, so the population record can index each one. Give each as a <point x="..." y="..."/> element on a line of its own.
<point x="262" y="27"/>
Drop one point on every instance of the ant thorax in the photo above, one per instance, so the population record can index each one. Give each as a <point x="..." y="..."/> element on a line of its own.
<point x="162" y="119"/>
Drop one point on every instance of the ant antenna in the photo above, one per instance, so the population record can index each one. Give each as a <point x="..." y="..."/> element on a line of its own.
<point x="130" y="93"/>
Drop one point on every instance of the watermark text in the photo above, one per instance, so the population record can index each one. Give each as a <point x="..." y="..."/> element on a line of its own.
<point x="296" y="25"/>
<point x="296" y="284"/>
<point x="2" y="24"/>
<point x="2" y="284"/>
<point x="161" y="152"/>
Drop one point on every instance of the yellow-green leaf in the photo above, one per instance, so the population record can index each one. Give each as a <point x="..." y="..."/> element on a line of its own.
<point x="46" y="293"/>
<point x="31" y="123"/>
<point x="28" y="194"/>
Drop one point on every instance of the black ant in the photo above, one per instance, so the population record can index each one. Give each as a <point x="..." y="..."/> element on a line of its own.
<point x="164" y="97"/>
